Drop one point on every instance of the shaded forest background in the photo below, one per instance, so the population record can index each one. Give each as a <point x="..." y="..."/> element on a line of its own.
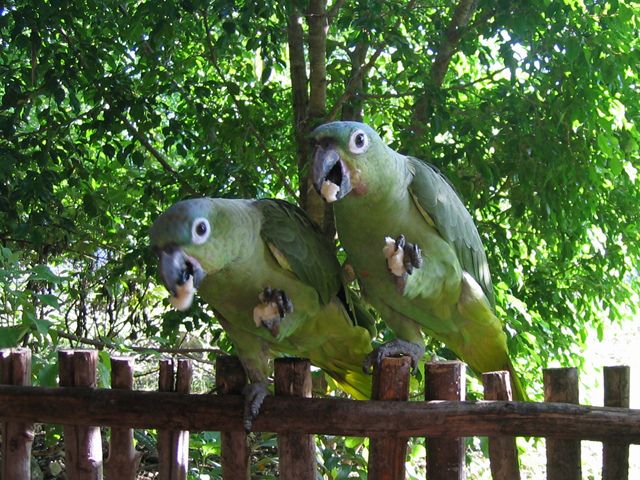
<point x="112" y="111"/>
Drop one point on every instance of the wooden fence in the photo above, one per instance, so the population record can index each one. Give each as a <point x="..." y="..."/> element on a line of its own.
<point x="444" y="418"/>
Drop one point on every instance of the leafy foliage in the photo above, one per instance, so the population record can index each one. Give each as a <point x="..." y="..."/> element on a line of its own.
<point x="112" y="111"/>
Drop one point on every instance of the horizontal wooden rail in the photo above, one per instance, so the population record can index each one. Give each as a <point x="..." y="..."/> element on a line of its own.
<point x="177" y="411"/>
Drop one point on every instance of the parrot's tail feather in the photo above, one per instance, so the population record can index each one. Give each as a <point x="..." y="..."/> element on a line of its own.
<point x="519" y="393"/>
<point x="356" y="384"/>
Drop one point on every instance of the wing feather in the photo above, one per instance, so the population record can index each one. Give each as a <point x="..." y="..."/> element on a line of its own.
<point x="436" y="197"/>
<point x="304" y="249"/>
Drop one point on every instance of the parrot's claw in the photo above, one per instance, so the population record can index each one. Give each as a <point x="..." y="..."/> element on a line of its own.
<point x="274" y="305"/>
<point x="402" y="258"/>
<point x="254" y="395"/>
<point x="393" y="349"/>
<point x="412" y="257"/>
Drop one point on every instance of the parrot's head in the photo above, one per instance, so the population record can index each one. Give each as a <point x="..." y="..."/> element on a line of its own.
<point x="184" y="237"/>
<point x="348" y="157"/>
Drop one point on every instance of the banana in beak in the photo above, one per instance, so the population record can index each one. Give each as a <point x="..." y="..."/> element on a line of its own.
<point x="181" y="275"/>
<point x="330" y="175"/>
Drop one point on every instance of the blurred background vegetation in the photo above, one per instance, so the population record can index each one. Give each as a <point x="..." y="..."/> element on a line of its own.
<point x="111" y="111"/>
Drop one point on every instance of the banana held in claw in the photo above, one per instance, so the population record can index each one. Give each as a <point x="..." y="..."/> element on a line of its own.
<point x="184" y="295"/>
<point x="265" y="313"/>
<point x="394" y="256"/>
<point x="329" y="191"/>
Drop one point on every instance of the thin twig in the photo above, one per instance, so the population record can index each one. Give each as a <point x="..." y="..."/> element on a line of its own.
<point x="104" y="343"/>
<point x="362" y="71"/>
<point x="461" y="17"/>
<point x="273" y="162"/>
<point x="131" y="128"/>
<point x="463" y="86"/>
<point x="333" y="11"/>
<point x="135" y="133"/>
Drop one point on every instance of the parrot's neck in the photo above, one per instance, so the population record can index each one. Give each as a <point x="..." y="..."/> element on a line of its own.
<point x="389" y="191"/>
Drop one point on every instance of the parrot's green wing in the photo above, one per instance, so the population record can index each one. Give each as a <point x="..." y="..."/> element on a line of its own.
<point x="441" y="206"/>
<point x="299" y="246"/>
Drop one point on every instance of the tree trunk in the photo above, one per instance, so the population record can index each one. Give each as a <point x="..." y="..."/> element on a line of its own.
<point x="353" y="108"/>
<point x="424" y="104"/>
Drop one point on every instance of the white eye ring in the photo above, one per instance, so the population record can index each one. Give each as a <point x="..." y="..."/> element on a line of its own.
<point x="359" y="142"/>
<point x="200" y="230"/>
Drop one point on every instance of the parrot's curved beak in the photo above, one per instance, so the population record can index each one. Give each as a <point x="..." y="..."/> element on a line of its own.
<point x="181" y="275"/>
<point x="330" y="175"/>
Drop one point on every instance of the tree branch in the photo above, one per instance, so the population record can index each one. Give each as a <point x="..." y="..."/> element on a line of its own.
<point x="462" y="86"/>
<point x="333" y="11"/>
<point x="273" y="162"/>
<point x="352" y="108"/>
<point x="104" y="343"/>
<point x="135" y="133"/>
<point x="423" y="105"/>
<point x="453" y="34"/>
<point x="299" y="93"/>
<point x="357" y="77"/>
<point x="131" y="128"/>
<point x="317" y="58"/>
<point x="319" y="210"/>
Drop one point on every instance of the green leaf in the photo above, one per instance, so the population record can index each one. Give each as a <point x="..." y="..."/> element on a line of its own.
<point x="43" y="273"/>
<point x="50" y="300"/>
<point x="10" y="336"/>
<point x="109" y="150"/>
<point x="104" y="369"/>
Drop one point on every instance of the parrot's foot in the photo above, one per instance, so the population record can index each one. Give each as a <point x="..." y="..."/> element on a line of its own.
<point x="274" y="305"/>
<point x="393" y="349"/>
<point x="402" y="257"/>
<point x="254" y="395"/>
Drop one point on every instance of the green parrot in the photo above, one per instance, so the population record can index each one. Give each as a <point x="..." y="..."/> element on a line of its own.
<point x="413" y="246"/>
<point x="274" y="283"/>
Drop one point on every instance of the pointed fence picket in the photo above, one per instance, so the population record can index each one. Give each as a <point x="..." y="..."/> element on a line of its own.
<point x="444" y="419"/>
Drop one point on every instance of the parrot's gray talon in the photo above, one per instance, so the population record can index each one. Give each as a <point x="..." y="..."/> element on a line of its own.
<point x="254" y="395"/>
<point x="274" y="305"/>
<point x="393" y="349"/>
<point x="412" y="257"/>
<point x="402" y="259"/>
<point x="412" y="254"/>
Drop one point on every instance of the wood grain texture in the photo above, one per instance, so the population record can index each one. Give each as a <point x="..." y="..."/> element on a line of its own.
<point x="445" y="456"/>
<point x="563" y="456"/>
<point x="615" y="455"/>
<point x="82" y="443"/>
<point x="296" y="451"/>
<point x="173" y="444"/>
<point x="234" y="448"/>
<point x="503" y="454"/>
<point x="330" y="416"/>
<point x="17" y="437"/>
<point x="387" y="455"/>
<point x="123" y="460"/>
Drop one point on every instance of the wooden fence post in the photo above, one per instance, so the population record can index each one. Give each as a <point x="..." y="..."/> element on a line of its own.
<point x="563" y="456"/>
<point x="615" y="456"/>
<point x="82" y="445"/>
<point x="387" y="456"/>
<point x="297" y="451"/>
<point x="173" y="446"/>
<point x="503" y="454"/>
<point x="231" y="380"/>
<point x="17" y="437"/>
<point x="445" y="456"/>
<point x="123" y="460"/>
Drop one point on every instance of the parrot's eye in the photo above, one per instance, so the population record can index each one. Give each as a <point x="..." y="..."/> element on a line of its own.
<point x="200" y="231"/>
<point x="359" y="142"/>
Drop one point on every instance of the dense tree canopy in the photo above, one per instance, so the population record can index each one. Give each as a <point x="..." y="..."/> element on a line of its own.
<point x="112" y="111"/>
